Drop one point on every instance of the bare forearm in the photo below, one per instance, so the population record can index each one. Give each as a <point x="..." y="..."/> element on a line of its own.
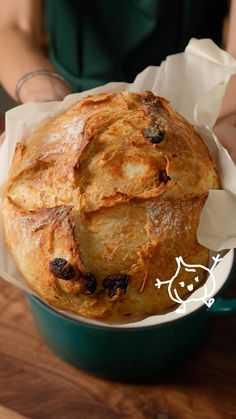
<point x="229" y="100"/>
<point x="225" y="127"/>
<point x="20" y="54"/>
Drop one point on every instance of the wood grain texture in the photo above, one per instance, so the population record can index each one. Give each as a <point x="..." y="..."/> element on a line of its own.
<point x="36" y="384"/>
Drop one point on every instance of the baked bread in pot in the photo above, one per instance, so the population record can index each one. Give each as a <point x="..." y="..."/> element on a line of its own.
<point x="100" y="201"/>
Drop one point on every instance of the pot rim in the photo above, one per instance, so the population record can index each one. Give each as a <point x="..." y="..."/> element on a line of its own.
<point x="98" y="326"/>
<point x="109" y="327"/>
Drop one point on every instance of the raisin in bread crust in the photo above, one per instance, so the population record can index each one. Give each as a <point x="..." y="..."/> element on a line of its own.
<point x="101" y="200"/>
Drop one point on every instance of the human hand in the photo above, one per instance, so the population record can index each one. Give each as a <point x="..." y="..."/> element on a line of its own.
<point x="40" y="89"/>
<point x="226" y="133"/>
<point x="2" y="138"/>
<point x="2" y="126"/>
<point x="43" y="89"/>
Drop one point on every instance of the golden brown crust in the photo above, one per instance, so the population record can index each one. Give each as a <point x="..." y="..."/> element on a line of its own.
<point x="114" y="186"/>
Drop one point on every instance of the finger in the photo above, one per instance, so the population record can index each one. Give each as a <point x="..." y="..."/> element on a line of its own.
<point x="2" y="137"/>
<point x="226" y="134"/>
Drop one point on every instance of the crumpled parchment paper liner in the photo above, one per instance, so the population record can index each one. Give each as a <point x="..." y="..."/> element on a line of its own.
<point x="194" y="82"/>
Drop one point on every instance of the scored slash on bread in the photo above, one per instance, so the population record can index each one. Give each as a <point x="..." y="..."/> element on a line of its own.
<point x="114" y="187"/>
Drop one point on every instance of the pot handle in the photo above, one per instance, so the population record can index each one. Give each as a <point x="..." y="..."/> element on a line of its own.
<point x="223" y="306"/>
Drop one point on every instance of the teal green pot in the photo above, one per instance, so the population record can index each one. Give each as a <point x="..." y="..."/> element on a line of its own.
<point x="128" y="354"/>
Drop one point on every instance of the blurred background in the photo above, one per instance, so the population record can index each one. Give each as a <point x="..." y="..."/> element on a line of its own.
<point x="6" y="102"/>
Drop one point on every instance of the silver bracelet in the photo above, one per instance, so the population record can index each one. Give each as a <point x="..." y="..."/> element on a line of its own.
<point x="35" y="73"/>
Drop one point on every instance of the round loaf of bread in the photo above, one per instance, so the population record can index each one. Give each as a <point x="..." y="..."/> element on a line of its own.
<point x="100" y="201"/>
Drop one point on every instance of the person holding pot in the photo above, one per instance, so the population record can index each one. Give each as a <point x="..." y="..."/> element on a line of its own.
<point x="94" y="42"/>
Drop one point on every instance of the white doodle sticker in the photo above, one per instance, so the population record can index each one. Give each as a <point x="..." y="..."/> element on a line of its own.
<point x="207" y="289"/>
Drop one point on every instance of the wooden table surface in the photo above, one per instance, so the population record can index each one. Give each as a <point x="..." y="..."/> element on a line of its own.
<point x="35" y="384"/>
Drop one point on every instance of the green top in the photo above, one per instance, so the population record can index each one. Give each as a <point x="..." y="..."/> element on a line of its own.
<point x="97" y="41"/>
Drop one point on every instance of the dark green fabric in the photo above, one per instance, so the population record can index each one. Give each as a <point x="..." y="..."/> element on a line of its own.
<point x="96" y="41"/>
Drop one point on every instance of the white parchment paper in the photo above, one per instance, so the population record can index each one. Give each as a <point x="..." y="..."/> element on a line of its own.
<point x="194" y="82"/>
